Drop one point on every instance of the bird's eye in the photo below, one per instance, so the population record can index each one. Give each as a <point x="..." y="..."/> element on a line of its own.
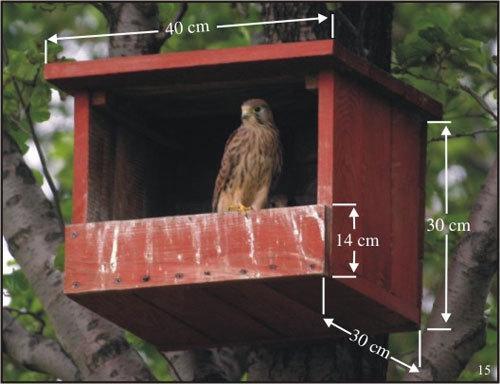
<point x="257" y="109"/>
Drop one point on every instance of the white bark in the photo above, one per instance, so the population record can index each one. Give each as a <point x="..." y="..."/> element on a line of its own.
<point x="32" y="231"/>
<point x="36" y="352"/>
<point x="445" y="354"/>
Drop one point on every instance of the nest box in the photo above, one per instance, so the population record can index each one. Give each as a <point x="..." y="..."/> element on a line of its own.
<point x="144" y="250"/>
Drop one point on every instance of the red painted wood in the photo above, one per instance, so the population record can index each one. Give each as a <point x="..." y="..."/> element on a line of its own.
<point x="301" y="57"/>
<point x="81" y="157"/>
<point x="268" y="306"/>
<point x="208" y="314"/>
<point x="230" y="279"/>
<point x="194" y="249"/>
<point x="150" y="323"/>
<point x="326" y="117"/>
<point x="408" y="193"/>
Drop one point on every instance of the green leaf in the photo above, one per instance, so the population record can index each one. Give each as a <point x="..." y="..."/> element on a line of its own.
<point x="59" y="259"/>
<point x="40" y="115"/>
<point x="38" y="176"/>
<point x="20" y="137"/>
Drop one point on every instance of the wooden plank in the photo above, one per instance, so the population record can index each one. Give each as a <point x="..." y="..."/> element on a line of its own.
<point x="348" y="168"/>
<point x="279" y="312"/>
<point x="220" y="321"/>
<point x="81" y="158"/>
<point x="298" y="57"/>
<point x="362" y="150"/>
<point x="132" y="154"/>
<point x="194" y="249"/>
<point x="375" y="187"/>
<point x="150" y="323"/>
<point x="102" y="152"/>
<point x="325" y="137"/>
<point x="408" y="194"/>
<point x="351" y="302"/>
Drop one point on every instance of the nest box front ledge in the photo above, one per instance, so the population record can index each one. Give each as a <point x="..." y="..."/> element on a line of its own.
<point x="203" y="248"/>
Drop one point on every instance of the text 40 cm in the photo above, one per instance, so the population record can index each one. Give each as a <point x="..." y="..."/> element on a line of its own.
<point x="178" y="28"/>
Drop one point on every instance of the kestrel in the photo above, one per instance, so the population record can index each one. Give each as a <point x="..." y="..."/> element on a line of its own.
<point x="251" y="162"/>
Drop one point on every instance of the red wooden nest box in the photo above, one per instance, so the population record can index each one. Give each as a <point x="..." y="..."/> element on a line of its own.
<point x="144" y="252"/>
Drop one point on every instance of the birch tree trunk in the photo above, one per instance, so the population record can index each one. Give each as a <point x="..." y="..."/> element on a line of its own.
<point x="94" y="345"/>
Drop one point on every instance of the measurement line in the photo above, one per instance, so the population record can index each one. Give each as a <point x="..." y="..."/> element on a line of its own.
<point x="344" y="276"/>
<point x="323" y="296"/>
<point x="55" y="38"/>
<point x="402" y="363"/>
<point x="45" y="51"/>
<point x="329" y="322"/>
<point x="342" y="329"/>
<point x="320" y="18"/>
<point x="438" y="329"/>
<point x="419" y="348"/>
<point x="439" y="122"/>
<point x="446" y="132"/>
<point x="332" y="26"/>
<point x="446" y="273"/>
<point x="343" y="204"/>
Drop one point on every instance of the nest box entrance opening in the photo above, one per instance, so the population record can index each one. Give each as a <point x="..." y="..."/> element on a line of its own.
<point x="156" y="151"/>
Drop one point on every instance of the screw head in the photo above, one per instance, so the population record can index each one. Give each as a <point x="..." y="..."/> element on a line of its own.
<point x="243" y="271"/>
<point x="146" y="278"/>
<point x="179" y="275"/>
<point x="118" y="280"/>
<point x="273" y="266"/>
<point x="74" y="235"/>
<point x="76" y="284"/>
<point x="207" y="273"/>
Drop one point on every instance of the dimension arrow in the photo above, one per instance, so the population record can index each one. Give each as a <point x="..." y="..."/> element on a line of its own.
<point x="329" y="322"/>
<point x="323" y="296"/>
<point x="446" y="315"/>
<point x="413" y="368"/>
<point x="354" y="265"/>
<point x="320" y="18"/>
<point x="353" y="215"/>
<point x="446" y="132"/>
<point x="54" y="38"/>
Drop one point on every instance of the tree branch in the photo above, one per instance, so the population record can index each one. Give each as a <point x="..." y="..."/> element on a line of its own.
<point x="215" y="364"/>
<point x="30" y="226"/>
<point x="459" y="135"/>
<point x="445" y="354"/>
<point x="478" y="99"/>
<point x="164" y="36"/>
<point x="35" y="316"/>
<point x="36" y="352"/>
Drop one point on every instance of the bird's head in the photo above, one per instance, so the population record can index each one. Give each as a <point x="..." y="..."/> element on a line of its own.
<point x="256" y="111"/>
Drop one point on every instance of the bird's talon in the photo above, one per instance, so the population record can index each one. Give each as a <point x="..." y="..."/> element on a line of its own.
<point x="244" y="209"/>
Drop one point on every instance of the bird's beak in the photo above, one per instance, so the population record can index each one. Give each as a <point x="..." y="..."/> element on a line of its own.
<point x="245" y="112"/>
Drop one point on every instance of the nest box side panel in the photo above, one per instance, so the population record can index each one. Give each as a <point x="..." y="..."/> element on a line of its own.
<point x="81" y="157"/>
<point x="409" y="143"/>
<point x="355" y="156"/>
<point x="362" y="166"/>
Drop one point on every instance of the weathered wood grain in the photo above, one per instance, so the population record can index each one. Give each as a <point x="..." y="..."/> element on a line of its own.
<point x="194" y="249"/>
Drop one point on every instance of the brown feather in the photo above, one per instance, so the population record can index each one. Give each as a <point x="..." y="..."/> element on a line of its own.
<point x="251" y="162"/>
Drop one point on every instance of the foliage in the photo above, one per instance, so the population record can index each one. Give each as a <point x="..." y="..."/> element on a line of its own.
<point x="436" y="46"/>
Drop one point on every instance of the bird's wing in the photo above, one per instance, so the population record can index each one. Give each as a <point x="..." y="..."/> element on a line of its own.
<point x="278" y="165"/>
<point x="227" y="164"/>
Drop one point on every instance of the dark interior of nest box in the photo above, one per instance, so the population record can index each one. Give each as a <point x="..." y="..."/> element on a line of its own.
<point x="156" y="151"/>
